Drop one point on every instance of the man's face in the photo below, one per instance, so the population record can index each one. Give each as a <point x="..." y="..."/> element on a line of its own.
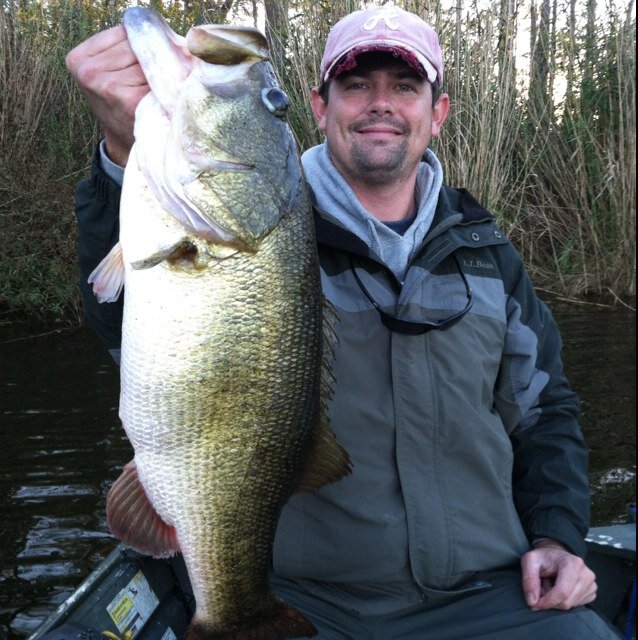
<point x="379" y="120"/>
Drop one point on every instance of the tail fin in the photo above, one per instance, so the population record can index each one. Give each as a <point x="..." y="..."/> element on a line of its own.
<point x="285" y="622"/>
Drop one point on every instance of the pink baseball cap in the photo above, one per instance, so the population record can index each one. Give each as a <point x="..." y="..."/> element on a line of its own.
<point x="386" y="28"/>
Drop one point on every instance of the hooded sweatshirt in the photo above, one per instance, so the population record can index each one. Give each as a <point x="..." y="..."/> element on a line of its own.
<point x="337" y="202"/>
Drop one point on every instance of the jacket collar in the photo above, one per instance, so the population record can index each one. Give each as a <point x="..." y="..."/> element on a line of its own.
<point x="454" y="207"/>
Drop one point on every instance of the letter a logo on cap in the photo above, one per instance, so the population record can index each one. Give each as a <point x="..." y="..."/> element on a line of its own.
<point x="387" y="14"/>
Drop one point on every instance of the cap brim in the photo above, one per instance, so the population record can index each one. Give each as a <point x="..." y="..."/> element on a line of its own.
<point x="346" y="60"/>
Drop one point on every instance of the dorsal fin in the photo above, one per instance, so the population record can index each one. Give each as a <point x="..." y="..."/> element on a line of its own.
<point x="327" y="461"/>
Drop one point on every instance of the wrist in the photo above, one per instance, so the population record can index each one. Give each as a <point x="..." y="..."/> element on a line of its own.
<point x="112" y="170"/>
<point x="541" y="543"/>
<point x="116" y="151"/>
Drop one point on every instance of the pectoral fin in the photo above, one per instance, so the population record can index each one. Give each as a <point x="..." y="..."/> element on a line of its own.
<point x="132" y="518"/>
<point x="108" y="277"/>
<point x="182" y="250"/>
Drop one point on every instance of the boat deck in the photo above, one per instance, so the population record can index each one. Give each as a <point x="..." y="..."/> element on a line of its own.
<point x="132" y="596"/>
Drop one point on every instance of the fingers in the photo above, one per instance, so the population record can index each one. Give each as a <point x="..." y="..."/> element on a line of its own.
<point x="574" y="585"/>
<point x="109" y="76"/>
<point x="556" y="579"/>
<point x="109" y="47"/>
<point x="531" y="568"/>
<point x="105" y="62"/>
<point x="102" y="41"/>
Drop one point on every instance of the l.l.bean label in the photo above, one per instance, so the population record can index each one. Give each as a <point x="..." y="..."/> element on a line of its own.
<point x="133" y="606"/>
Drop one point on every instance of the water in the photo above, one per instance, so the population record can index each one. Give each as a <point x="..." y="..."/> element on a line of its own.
<point x="600" y="360"/>
<point x="62" y="446"/>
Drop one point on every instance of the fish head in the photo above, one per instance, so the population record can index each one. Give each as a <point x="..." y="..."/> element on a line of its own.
<point x="211" y="138"/>
<point x="234" y="152"/>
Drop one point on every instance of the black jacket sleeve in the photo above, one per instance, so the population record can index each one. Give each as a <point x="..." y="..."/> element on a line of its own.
<point x="550" y="475"/>
<point x="97" y="210"/>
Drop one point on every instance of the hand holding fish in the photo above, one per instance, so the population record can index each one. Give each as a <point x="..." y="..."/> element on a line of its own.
<point x="109" y="76"/>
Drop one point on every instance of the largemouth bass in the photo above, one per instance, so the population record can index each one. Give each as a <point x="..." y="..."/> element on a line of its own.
<point x="222" y="331"/>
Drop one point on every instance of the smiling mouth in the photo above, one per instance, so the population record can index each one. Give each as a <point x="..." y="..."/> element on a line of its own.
<point x="380" y="128"/>
<point x="378" y="136"/>
<point x="389" y="132"/>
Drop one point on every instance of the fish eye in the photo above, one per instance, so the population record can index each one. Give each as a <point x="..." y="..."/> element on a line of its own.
<point x="276" y="101"/>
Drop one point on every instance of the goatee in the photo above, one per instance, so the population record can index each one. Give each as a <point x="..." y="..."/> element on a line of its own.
<point x="381" y="170"/>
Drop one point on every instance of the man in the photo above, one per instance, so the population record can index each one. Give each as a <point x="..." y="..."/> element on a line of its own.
<point x="466" y="510"/>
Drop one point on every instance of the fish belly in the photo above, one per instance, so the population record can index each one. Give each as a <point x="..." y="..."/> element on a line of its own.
<point x="220" y="375"/>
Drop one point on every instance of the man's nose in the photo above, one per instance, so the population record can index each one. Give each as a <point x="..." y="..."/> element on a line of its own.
<point x="380" y="101"/>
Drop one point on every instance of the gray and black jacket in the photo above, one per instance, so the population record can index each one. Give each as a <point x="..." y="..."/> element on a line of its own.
<point x="464" y="439"/>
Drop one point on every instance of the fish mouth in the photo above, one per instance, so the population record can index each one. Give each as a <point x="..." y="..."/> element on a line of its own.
<point x="201" y="164"/>
<point x="214" y="170"/>
<point x="199" y="161"/>
<point x="225" y="165"/>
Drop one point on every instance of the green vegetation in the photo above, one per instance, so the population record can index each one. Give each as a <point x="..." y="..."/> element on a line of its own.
<point x="542" y="128"/>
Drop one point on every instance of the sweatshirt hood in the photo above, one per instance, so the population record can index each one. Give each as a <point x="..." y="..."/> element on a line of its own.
<point x="338" y="203"/>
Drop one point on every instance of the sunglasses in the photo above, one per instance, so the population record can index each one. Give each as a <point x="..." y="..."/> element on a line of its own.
<point x="409" y="327"/>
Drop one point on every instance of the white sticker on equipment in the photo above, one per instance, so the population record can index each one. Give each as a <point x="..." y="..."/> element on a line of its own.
<point x="133" y="606"/>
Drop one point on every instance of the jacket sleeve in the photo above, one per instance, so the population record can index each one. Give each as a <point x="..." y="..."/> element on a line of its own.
<point x="97" y="210"/>
<point x="550" y="475"/>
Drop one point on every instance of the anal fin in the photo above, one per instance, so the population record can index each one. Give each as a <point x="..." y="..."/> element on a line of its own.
<point x="133" y="520"/>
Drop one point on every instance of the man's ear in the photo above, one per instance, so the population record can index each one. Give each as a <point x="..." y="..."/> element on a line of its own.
<point x="319" y="108"/>
<point x="439" y="113"/>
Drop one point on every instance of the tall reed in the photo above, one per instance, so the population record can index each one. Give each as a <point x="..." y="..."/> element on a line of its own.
<point x="46" y="137"/>
<point x="547" y="140"/>
<point x="558" y="172"/>
<point x="581" y="156"/>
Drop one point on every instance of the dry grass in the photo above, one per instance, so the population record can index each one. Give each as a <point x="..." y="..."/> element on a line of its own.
<point x="46" y="135"/>
<point x="559" y="174"/>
